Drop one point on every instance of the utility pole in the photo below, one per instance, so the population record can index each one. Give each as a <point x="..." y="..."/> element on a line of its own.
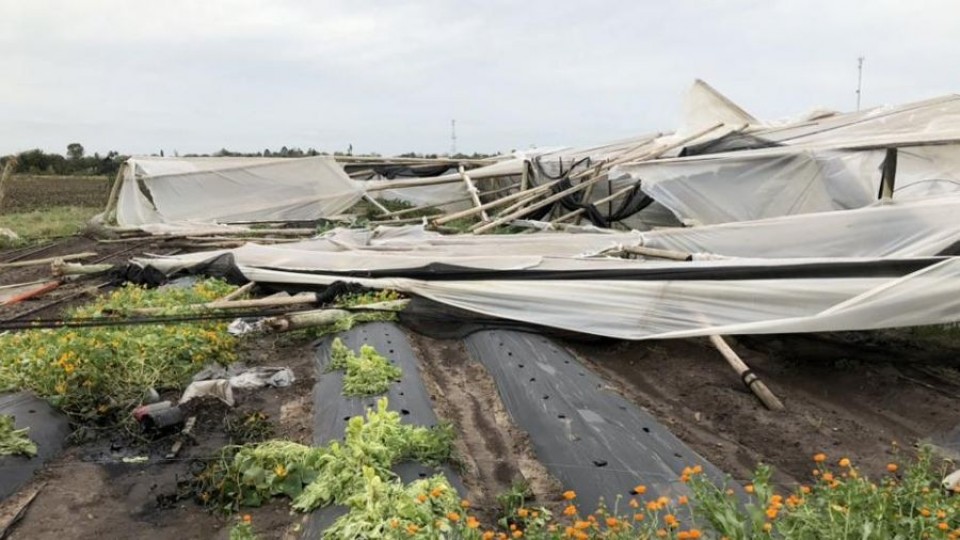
<point x="859" y="79"/>
<point x="453" y="138"/>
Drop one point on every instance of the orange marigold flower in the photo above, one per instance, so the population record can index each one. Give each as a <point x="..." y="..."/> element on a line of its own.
<point x="638" y="517"/>
<point x="394" y="523"/>
<point x="581" y="524"/>
<point x="453" y="516"/>
<point x="661" y="533"/>
<point x="412" y="529"/>
<point x="682" y="500"/>
<point x="683" y="535"/>
<point x="685" y="478"/>
<point x="570" y="510"/>
<point x="892" y="467"/>
<point x="941" y="514"/>
<point x="518" y="534"/>
<point x="523" y="512"/>
<point x="697" y="469"/>
<point x="640" y="489"/>
<point x="820" y="458"/>
<point x="748" y="488"/>
<point x="569" y="495"/>
<point x="612" y="522"/>
<point x="488" y="535"/>
<point x="436" y="492"/>
<point x="464" y="504"/>
<point x="844" y="462"/>
<point x="670" y="519"/>
<point x="771" y="513"/>
<point x="805" y="489"/>
<point x="767" y="527"/>
<point x="827" y="477"/>
<point x="924" y="512"/>
<point x="634" y="504"/>
<point x="421" y="498"/>
<point x="652" y="505"/>
<point x="473" y="522"/>
<point x="247" y="519"/>
<point x="695" y="533"/>
<point x="943" y="526"/>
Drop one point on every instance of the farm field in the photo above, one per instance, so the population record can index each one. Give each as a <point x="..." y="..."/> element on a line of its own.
<point x="44" y="208"/>
<point x="868" y="397"/>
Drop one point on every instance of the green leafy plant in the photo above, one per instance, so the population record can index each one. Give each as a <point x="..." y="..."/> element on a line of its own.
<point x="368" y="374"/>
<point x="93" y="372"/>
<point x="317" y="476"/>
<point x="15" y="441"/>
<point x="243" y="529"/>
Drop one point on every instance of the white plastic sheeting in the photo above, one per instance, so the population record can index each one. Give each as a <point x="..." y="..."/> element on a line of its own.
<point x="225" y="190"/>
<point x="832" y="163"/>
<point x="639" y="310"/>
<point x="438" y="196"/>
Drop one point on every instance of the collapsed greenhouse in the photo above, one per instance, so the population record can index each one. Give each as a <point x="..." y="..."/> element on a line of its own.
<point x="499" y="286"/>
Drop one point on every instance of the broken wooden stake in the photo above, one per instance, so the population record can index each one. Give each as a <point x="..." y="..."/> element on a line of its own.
<point x="747" y="375"/>
<point x="59" y="268"/>
<point x="48" y="260"/>
<point x="323" y="317"/>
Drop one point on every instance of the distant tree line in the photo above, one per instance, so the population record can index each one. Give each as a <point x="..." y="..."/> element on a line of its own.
<point x="76" y="162"/>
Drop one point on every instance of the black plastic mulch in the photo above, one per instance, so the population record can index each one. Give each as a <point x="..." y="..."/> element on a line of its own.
<point x="48" y="429"/>
<point x="589" y="437"/>
<point x="332" y="410"/>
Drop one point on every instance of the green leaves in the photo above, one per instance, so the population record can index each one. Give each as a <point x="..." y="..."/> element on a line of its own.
<point x="366" y="375"/>
<point x="94" y="372"/>
<point x="356" y="473"/>
<point x="15" y="441"/>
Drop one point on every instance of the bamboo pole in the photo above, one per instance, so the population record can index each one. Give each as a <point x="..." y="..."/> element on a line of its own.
<point x="512" y="208"/>
<point x="383" y="209"/>
<point x="540" y="204"/>
<point x="439" y="205"/>
<point x="239" y="292"/>
<point x="323" y="317"/>
<point x="657" y="253"/>
<point x="493" y="204"/>
<point x="472" y="190"/>
<point x="748" y="377"/>
<point x="401" y="221"/>
<point x="59" y="268"/>
<point x="48" y="260"/>
<point x="608" y="198"/>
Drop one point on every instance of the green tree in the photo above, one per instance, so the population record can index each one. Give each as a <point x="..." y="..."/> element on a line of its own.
<point x="75" y="151"/>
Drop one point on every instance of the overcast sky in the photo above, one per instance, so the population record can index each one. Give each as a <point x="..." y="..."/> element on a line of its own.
<point x="388" y="76"/>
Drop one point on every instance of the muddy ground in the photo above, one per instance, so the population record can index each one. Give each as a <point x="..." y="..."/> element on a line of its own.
<point x="865" y="396"/>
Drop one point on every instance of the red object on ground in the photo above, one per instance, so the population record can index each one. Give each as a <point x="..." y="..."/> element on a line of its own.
<point x="43" y="289"/>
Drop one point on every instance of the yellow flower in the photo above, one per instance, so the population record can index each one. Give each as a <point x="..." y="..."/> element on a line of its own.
<point x="280" y="471"/>
<point x="820" y="458"/>
<point x="569" y="495"/>
<point x="844" y="462"/>
<point x="453" y="516"/>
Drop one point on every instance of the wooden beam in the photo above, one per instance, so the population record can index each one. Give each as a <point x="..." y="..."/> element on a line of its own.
<point x="540" y="204"/>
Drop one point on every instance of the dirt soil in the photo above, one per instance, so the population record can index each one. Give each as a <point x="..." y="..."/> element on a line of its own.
<point x="867" y="404"/>
<point x="495" y="454"/>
